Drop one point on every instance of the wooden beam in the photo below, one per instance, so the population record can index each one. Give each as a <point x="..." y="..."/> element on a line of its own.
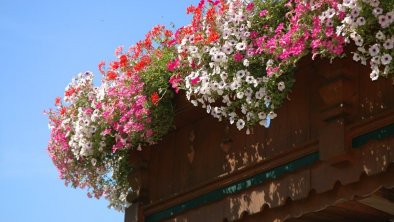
<point x="379" y="203"/>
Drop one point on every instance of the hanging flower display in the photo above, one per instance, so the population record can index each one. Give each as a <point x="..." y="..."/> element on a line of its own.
<point x="93" y="133"/>
<point x="235" y="59"/>
<point x="368" y="24"/>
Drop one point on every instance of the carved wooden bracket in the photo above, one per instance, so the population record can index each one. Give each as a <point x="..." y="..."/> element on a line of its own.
<point x="137" y="178"/>
<point x="226" y="142"/>
<point x="338" y="94"/>
<point x="134" y="213"/>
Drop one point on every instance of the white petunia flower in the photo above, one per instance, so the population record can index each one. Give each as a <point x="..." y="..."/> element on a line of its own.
<point x="380" y="36"/>
<point x="281" y="86"/>
<point x="375" y="60"/>
<point x="355" y="12"/>
<point x="194" y="102"/>
<point x="390" y="16"/>
<point x="374" y="74"/>
<point x="272" y="115"/>
<point x="246" y="34"/>
<point x="206" y="49"/>
<point x="362" y="50"/>
<point x="213" y="51"/>
<point x="377" y="11"/>
<point x="388" y="44"/>
<point x="267" y="99"/>
<point x="374" y="50"/>
<point x="341" y="7"/>
<point x="240" y="46"/>
<point x="232" y="42"/>
<point x="219" y="57"/>
<point x="269" y="63"/>
<point x="226" y="34"/>
<point x="348" y="3"/>
<point x="228" y="49"/>
<point x="374" y="3"/>
<point x="363" y="61"/>
<point x="240" y="74"/>
<point x="250" y="79"/>
<point x="209" y="109"/>
<point x="223" y="76"/>
<point x="330" y="13"/>
<point x="246" y="62"/>
<point x="240" y="124"/>
<point x="329" y="23"/>
<point x="262" y="115"/>
<point x="248" y="92"/>
<point x="264" y="123"/>
<point x="360" y="21"/>
<point x="259" y="95"/>
<point x="235" y="85"/>
<point x="244" y="109"/>
<point x="184" y="41"/>
<point x="358" y="40"/>
<point x="386" y="70"/>
<point x="348" y="20"/>
<point x="386" y="59"/>
<point x="356" y="57"/>
<point x="384" y="21"/>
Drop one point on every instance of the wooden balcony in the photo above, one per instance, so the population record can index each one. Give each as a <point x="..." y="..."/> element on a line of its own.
<point x="330" y="148"/>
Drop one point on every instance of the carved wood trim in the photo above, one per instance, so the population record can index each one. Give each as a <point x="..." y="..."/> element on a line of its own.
<point x="227" y="179"/>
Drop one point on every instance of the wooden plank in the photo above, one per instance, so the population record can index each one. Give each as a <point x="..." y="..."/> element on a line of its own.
<point x="379" y="203"/>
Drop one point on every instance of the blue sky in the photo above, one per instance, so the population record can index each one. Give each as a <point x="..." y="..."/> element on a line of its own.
<point x="43" y="44"/>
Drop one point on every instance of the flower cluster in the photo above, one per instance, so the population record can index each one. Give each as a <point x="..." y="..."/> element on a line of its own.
<point x="369" y="24"/>
<point x="235" y="59"/>
<point x="217" y="60"/>
<point x="94" y="130"/>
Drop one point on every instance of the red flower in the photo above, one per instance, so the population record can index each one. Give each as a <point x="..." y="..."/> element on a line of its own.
<point x="171" y="42"/>
<point x="145" y="60"/>
<point x="198" y="37"/>
<point x="63" y="110"/>
<point x="210" y="16"/>
<point x="213" y="36"/>
<point x="214" y="2"/>
<point x="190" y="9"/>
<point x="168" y="33"/>
<point x="100" y="67"/>
<point x="123" y="61"/>
<point x="114" y="65"/>
<point x="155" y="98"/>
<point x="69" y="92"/>
<point x="57" y="101"/>
<point x="111" y="75"/>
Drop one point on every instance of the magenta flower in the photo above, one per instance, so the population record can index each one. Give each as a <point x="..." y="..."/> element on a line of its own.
<point x="263" y="13"/>
<point x="250" y="6"/>
<point x="238" y="57"/>
<point x="174" y="81"/>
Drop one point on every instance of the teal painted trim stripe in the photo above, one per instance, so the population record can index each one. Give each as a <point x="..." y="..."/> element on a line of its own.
<point x="220" y="193"/>
<point x="378" y="134"/>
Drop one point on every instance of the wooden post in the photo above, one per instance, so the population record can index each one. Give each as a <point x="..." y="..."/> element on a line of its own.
<point x="138" y="180"/>
<point x="338" y="95"/>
